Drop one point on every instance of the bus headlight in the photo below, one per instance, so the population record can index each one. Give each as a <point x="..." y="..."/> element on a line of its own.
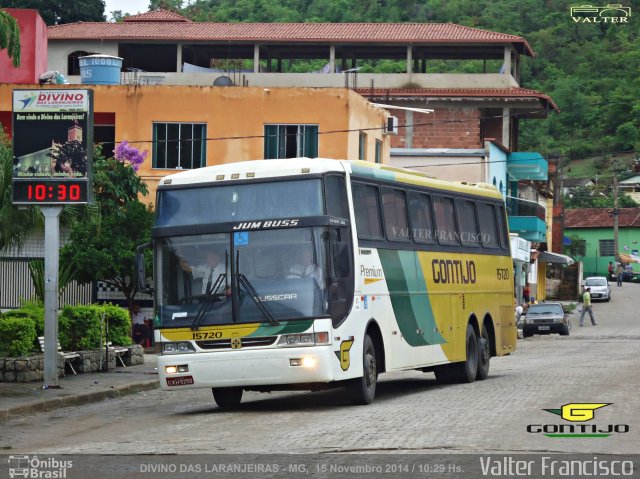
<point x="178" y="348"/>
<point x="304" y="339"/>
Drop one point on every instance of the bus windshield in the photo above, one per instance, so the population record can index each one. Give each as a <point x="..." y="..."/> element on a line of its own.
<point x="239" y="202"/>
<point x="227" y="278"/>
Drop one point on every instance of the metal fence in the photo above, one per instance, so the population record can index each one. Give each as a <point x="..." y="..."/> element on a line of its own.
<point x="16" y="285"/>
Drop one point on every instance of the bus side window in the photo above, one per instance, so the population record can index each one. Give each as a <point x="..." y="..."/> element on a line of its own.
<point x="339" y="252"/>
<point x="336" y="195"/>
<point x="366" y="207"/>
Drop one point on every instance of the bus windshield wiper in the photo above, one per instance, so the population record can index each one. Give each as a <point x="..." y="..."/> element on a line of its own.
<point x="256" y="299"/>
<point x="210" y="296"/>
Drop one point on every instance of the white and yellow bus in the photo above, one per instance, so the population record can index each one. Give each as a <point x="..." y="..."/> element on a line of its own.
<point x="328" y="273"/>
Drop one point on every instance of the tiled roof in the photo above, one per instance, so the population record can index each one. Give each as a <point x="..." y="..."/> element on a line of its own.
<point x="601" y="218"/>
<point x="154" y="26"/>
<point x="159" y="15"/>
<point x="514" y="92"/>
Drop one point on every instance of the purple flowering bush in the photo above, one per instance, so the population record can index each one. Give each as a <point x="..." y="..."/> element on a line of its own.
<point x="126" y="153"/>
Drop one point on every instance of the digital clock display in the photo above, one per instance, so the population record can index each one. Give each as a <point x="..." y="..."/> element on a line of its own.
<point x="42" y="191"/>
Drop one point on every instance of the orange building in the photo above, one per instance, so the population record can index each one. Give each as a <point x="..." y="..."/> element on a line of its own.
<point x="185" y="127"/>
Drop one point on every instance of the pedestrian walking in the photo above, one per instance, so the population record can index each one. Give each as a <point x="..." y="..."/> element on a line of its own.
<point x="619" y="273"/>
<point x="586" y="307"/>
<point x="526" y="292"/>
<point x="610" y="269"/>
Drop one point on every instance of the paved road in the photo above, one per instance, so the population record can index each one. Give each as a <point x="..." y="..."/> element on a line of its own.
<point x="411" y="413"/>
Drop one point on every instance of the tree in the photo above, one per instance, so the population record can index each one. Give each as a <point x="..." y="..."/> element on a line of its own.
<point x="103" y="245"/>
<point x="55" y="12"/>
<point x="15" y="224"/>
<point x="10" y="37"/>
<point x="576" y="248"/>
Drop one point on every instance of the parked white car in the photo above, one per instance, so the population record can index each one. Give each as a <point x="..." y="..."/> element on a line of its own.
<point x="600" y="288"/>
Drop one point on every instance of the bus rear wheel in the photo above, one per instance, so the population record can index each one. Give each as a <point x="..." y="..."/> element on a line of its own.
<point x="465" y="371"/>
<point x="227" y="397"/>
<point x="484" y="354"/>
<point x="363" y="389"/>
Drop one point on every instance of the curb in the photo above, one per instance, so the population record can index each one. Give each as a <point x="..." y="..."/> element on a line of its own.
<point x="60" y="402"/>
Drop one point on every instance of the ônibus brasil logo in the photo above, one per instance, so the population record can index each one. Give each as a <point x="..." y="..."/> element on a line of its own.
<point x="576" y="414"/>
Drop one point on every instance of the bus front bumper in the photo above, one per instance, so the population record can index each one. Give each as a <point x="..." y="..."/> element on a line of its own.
<point x="244" y="368"/>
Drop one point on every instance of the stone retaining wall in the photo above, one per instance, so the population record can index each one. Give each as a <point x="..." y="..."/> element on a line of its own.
<point x="31" y="368"/>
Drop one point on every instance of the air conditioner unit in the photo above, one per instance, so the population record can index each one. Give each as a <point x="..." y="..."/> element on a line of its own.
<point x="392" y="126"/>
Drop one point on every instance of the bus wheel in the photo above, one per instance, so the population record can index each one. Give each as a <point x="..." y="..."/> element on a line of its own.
<point x="362" y="390"/>
<point x="227" y="397"/>
<point x="466" y="371"/>
<point x="484" y="354"/>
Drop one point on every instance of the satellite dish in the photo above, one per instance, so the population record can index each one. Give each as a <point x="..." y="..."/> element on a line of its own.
<point x="223" y="81"/>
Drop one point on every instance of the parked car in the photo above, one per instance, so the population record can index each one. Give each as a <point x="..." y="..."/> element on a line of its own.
<point x="545" y="318"/>
<point x="600" y="288"/>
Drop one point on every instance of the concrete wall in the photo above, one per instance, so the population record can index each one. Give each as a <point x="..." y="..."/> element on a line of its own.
<point x="33" y="49"/>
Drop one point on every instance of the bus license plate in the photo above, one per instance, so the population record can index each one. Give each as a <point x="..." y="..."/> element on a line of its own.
<point x="543" y="328"/>
<point x="182" y="381"/>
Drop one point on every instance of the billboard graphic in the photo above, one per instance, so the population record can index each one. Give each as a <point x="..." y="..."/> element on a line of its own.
<point x="52" y="146"/>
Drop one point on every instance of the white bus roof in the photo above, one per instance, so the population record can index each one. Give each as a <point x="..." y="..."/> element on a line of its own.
<point x="255" y="169"/>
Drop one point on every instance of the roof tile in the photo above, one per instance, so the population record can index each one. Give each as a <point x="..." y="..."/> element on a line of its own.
<point x="601" y="218"/>
<point x="514" y="92"/>
<point x="158" y="26"/>
<point x="159" y="15"/>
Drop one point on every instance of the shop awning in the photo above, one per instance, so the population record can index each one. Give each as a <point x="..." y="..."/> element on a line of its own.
<point x="629" y="258"/>
<point x="549" y="257"/>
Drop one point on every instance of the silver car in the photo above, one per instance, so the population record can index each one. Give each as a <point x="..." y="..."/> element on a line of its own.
<point x="545" y="318"/>
<point x="600" y="288"/>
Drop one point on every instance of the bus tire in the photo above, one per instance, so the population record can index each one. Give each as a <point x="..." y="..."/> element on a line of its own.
<point x="466" y="371"/>
<point x="227" y="397"/>
<point x="484" y="355"/>
<point x="363" y="389"/>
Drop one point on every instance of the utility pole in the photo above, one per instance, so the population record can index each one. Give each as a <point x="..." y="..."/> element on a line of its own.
<point x="616" y="213"/>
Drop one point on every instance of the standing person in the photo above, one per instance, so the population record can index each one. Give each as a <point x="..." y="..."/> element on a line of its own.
<point x="619" y="273"/>
<point x="526" y="292"/>
<point x="141" y="332"/>
<point x="519" y="312"/>
<point x="610" y="269"/>
<point x="586" y="307"/>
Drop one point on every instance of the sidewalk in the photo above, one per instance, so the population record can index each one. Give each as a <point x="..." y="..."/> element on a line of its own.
<point x="26" y="398"/>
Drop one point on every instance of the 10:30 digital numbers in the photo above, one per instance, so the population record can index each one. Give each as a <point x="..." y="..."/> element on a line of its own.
<point x="35" y="191"/>
<point x="58" y="192"/>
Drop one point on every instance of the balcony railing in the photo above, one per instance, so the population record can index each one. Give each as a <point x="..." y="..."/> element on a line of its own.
<point x="527" y="218"/>
<point x="522" y="207"/>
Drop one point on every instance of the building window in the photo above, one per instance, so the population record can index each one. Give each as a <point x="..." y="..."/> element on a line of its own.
<point x="362" y="146"/>
<point x="607" y="248"/>
<point x="378" y="151"/>
<point x="179" y="145"/>
<point x="290" y="141"/>
<point x="73" y="62"/>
